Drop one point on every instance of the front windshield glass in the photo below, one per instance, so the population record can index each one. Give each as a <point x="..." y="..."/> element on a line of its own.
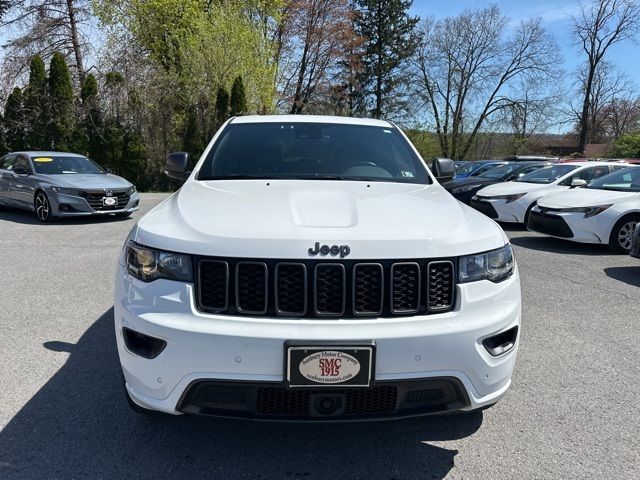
<point x="62" y="165"/>
<point x="313" y="151"/>
<point x="468" y="169"/>
<point x="627" y="180"/>
<point x="497" y="173"/>
<point x="547" y="174"/>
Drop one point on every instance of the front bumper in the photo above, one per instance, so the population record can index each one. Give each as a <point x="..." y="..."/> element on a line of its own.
<point x="501" y="210"/>
<point x="572" y="226"/>
<point x="221" y="349"/>
<point x="74" y="206"/>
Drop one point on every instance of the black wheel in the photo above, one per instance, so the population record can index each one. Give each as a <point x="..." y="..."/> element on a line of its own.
<point x="622" y="234"/>
<point x="43" y="207"/>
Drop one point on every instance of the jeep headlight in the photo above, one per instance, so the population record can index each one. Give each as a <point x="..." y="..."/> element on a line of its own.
<point x="495" y="266"/>
<point x="148" y="264"/>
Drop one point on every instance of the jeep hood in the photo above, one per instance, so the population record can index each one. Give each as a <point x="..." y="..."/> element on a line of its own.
<point x="585" y="197"/>
<point x="284" y="218"/>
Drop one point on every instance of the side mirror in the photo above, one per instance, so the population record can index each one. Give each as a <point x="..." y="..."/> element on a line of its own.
<point x="20" y="170"/>
<point x="108" y="170"/>
<point x="176" y="166"/>
<point x="443" y="168"/>
<point x="578" y="182"/>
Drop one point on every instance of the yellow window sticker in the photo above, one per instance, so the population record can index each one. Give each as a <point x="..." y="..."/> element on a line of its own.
<point x="43" y="159"/>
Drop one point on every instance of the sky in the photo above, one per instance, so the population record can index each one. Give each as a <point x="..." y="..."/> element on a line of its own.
<point x="555" y="15"/>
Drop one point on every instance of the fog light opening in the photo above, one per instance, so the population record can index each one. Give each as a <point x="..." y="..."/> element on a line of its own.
<point x="143" y="345"/>
<point x="501" y="343"/>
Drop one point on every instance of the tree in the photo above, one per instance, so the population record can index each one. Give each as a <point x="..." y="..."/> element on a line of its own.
<point x="222" y="107"/>
<point x="60" y="102"/>
<point x="314" y="40"/>
<point x="390" y="41"/>
<point x="15" y="121"/>
<point x="45" y="27"/>
<point x="90" y="128"/>
<point x="470" y="67"/>
<point x="610" y="91"/>
<point x="36" y="105"/>
<point x="626" y="146"/>
<point x="238" y="101"/>
<point x="599" y="25"/>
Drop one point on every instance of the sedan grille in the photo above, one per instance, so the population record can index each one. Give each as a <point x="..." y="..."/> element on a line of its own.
<point x="95" y="199"/>
<point x="316" y="289"/>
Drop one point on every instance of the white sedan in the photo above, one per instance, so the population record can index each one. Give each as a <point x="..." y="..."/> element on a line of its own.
<point x="606" y="211"/>
<point x="512" y="201"/>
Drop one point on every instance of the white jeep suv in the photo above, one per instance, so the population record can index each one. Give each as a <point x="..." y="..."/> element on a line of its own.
<point x="312" y="268"/>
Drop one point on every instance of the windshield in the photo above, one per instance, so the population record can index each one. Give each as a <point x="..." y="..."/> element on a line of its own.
<point x="469" y="168"/>
<point x="313" y="151"/>
<point x="547" y="174"/>
<point x="627" y="180"/>
<point x="497" y="173"/>
<point x="59" y="165"/>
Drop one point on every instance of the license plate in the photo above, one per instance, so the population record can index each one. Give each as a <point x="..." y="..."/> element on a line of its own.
<point x="329" y="364"/>
<point x="109" y="201"/>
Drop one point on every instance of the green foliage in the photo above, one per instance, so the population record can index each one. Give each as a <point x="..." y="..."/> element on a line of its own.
<point x="222" y="106"/>
<point x="238" y="101"/>
<point x="60" y="102"/>
<point x="15" y="121"/>
<point x="390" y="41"/>
<point x="36" y="104"/>
<point x="626" y="146"/>
<point x="192" y="139"/>
<point x="425" y="142"/>
<point x="88" y="133"/>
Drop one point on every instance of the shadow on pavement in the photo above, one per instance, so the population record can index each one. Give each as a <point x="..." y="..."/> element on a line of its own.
<point x="630" y="275"/>
<point x="556" y="245"/>
<point x="29" y="218"/>
<point x="79" y="425"/>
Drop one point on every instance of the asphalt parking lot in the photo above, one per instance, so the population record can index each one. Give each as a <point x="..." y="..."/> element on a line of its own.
<point x="572" y="411"/>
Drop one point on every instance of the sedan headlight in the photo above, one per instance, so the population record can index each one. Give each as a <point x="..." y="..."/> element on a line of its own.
<point x="131" y="191"/>
<point x="67" y="191"/>
<point x="465" y="188"/>
<point x="148" y="264"/>
<point x="495" y="266"/>
<point x="588" y="211"/>
<point x="509" y="198"/>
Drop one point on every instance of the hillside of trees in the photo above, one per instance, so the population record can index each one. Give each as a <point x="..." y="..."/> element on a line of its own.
<point x="127" y="81"/>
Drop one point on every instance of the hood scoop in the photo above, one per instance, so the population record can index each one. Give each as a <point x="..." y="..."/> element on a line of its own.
<point x="323" y="209"/>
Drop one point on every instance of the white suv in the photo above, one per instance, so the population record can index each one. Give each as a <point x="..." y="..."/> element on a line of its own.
<point x="312" y="268"/>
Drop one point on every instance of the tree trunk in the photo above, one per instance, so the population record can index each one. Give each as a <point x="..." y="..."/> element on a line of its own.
<point x="75" y="40"/>
<point x="584" y="118"/>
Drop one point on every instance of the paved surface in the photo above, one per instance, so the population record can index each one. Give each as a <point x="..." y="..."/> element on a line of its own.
<point x="572" y="411"/>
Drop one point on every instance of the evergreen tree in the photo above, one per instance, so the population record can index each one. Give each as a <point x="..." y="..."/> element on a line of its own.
<point x="15" y="121"/>
<point x="88" y="134"/>
<point x="36" y="106"/>
<point x="222" y="106"/>
<point x="192" y="136"/>
<point x="238" y="101"/>
<point x="60" y="102"/>
<point x="390" y="40"/>
<point x="3" y="139"/>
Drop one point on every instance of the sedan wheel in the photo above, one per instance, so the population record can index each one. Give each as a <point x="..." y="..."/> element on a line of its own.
<point x="43" y="207"/>
<point x="622" y="234"/>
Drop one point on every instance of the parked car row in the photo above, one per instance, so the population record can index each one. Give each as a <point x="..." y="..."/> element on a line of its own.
<point x="586" y="202"/>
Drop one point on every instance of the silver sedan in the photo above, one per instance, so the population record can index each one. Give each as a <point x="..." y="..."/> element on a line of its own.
<point x="56" y="184"/>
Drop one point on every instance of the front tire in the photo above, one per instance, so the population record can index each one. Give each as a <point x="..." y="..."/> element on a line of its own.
<point x="43" y="207"/>
<point x="622" y="234"/>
